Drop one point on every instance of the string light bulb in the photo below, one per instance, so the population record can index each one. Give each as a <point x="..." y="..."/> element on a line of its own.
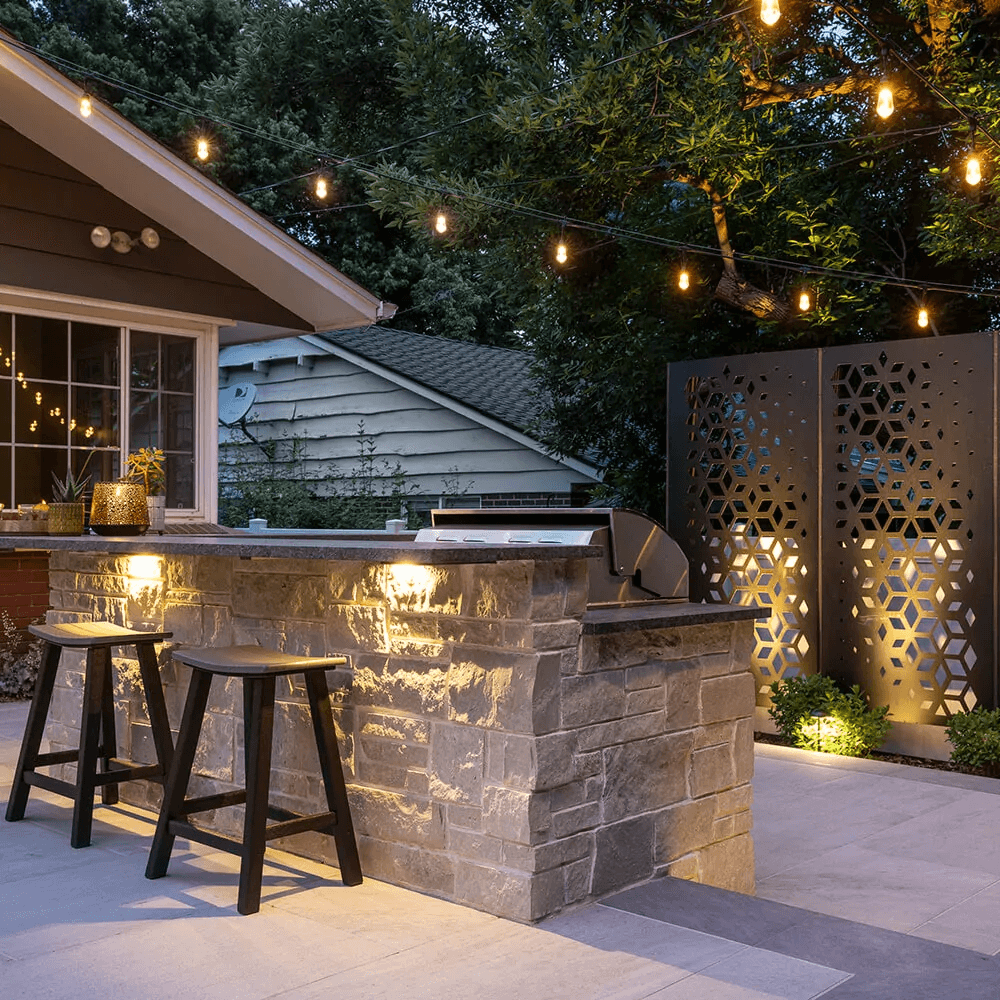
<point x="86" y="106"/>
<point x="202" y="150"/>
<point x="441" y="224"/>
<point x="322" y="189"/>
<point x="805" y="302"/>
<point x="885" y="104"/>
<point x="973" y="170"/>
<point x="769" y="12"/>
<point x="923" y="317"/>
<point x="684" y="280"/>
<point x="562" y="254"/>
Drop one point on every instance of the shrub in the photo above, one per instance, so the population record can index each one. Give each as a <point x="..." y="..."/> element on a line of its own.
<point x="975" y="738"/>
<point x="847" y="725"/>
<point x="274" y="486"/>
<point x="19" y="661"/>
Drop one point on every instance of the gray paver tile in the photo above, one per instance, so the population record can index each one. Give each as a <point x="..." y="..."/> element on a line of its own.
<point x="873" y="887"/>
<point x="972" y="923"/>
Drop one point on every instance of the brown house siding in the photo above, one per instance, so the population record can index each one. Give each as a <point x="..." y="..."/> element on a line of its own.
<point x="47" y="210"/>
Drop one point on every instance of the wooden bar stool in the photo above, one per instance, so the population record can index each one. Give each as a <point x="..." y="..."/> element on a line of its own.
<point x="258" y="667"/>
<point x="98" y="745"/>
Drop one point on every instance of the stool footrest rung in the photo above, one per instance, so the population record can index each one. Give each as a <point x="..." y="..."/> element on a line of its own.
<point x="56" y="757"/>
<point x="300" y="824"/>
<point x="50" y="784"/>
<point x="178" y="828"/>
<point x="122" y="771"/>
<point x="218" y="801"/>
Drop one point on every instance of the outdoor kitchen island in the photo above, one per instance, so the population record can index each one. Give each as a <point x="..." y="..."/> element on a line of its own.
<point x="505" y="746"/>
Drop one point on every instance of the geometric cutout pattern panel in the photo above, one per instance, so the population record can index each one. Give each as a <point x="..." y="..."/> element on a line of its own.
<point x="742" y="496"/>
<point x="908" y="546"/>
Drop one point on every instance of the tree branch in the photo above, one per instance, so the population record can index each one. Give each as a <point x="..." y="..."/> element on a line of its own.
<point x="733" y="289"/>
<point x="775" y="92"/>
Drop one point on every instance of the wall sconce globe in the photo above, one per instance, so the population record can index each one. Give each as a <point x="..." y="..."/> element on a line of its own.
<point x="121" y="242"/>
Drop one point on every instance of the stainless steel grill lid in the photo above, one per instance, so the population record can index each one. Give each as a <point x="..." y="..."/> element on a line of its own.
<point x="641" y="561"/>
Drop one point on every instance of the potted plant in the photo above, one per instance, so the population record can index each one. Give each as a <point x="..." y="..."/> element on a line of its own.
<point x="67" y="507"/>
<point x="146" y="466"/>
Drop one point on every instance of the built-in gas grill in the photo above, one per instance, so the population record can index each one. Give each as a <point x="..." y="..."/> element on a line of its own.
<point x="641" y="562"/>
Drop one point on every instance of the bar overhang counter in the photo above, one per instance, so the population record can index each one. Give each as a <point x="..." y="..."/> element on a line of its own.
<point x="506" y="745"/>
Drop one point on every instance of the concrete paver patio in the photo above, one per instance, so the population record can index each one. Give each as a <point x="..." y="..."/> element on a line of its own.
<point x="874" y="880"/>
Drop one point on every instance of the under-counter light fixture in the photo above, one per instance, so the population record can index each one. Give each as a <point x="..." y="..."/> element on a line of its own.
<point x="121" y="242"/>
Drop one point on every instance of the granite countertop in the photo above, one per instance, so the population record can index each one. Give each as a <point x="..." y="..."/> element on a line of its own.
<point x="354" y="549"/>
<point x="640" y="617"/>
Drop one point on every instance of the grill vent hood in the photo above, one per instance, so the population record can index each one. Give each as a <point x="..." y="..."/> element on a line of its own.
<point x="641" y="562"/>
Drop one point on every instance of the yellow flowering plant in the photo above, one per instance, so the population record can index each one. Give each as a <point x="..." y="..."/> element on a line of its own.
<point x="146" y="466"/>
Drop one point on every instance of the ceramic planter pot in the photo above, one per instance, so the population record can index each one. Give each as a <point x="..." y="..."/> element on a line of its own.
<point x="66" y="518"/>
<point x="156" y="507"/>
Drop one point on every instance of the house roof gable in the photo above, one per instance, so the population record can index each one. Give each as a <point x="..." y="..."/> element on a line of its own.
<point x="494" y="380"/>
<point x="43" y="105"/>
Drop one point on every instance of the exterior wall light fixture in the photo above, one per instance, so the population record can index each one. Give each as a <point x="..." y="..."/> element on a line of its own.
<point x="121" y="242"/>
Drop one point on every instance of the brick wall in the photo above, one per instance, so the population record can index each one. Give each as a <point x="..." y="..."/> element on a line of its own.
<point x="24" y="585"/>
<point x="526" y="500"/>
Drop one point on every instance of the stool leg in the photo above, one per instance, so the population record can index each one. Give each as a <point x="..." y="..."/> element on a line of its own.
<point x="155" y="705"/>
<point x="109" y="739"/>
<point x="258" y="701"/>
<point x="180" y="772"/>
<point x="90" y="738"/>
<point x="333" y="776"/>
<point x="33" y="731"/>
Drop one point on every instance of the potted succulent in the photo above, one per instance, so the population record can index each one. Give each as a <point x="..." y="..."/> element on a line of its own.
<point x="146" y="466"/>
<point x="67" y="508"/>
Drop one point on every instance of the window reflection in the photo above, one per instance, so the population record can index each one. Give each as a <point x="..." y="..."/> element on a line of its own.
<point x="95" y="353"/>
<point x="67" y="401"/>
<point x="40" y="347"/>
<point x="163" y="407"/>
<point x="40" y="413"/>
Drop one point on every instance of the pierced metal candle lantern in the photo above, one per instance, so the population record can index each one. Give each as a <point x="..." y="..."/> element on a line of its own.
<point x="119" y="509"/>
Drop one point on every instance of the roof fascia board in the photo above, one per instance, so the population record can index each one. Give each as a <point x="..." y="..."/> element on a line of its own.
<point x="176" y="194"/>
<point x="461" y="408"/>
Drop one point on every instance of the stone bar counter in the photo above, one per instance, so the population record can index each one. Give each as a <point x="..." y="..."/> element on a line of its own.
<point x="505" y="746"/>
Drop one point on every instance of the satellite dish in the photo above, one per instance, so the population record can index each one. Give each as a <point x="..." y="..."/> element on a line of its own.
<point x="235" y="402"/>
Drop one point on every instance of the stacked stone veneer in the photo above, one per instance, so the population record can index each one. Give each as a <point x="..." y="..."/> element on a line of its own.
<point x="496" y="752"/>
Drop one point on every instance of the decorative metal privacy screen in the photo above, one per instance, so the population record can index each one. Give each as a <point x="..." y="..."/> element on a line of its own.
<point x="850" y="491"/>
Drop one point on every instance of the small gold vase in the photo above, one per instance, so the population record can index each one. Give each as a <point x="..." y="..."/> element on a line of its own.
<point x="66" y="518"/>
<point x="119" y="509"/>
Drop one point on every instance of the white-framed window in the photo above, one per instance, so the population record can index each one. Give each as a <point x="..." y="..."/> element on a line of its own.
<point x="84" y="383"/>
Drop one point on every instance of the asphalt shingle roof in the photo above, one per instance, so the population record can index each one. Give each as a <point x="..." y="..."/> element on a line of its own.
<point x="494" y="380"/>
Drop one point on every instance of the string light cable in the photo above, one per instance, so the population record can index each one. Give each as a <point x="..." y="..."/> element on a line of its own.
<point x="616" y="232"/>
<point x="887" y="45"/>
<point x="372" y="169"/>
<point x="136" y="91"/>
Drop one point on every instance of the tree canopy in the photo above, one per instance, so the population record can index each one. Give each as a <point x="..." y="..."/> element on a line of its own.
<point x="645" y="136"/>
<point x="633" y="131"/>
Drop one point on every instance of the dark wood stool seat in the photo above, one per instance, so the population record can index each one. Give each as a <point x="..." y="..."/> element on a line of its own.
<point x="98" y="745"/>
<point x="258" y="667"/>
